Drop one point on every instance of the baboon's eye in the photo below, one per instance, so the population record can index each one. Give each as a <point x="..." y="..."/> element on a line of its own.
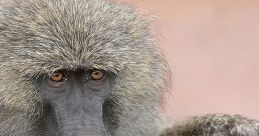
<point x="97" y="74"/>
<point x="57" y="76"/>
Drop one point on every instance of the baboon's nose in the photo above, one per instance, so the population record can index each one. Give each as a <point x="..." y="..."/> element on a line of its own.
<point x="82" y="131"/>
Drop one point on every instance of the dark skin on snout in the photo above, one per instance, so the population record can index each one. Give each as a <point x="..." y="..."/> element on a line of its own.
<point x="74" y="100"/>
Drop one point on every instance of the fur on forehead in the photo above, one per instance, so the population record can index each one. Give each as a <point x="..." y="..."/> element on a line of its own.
<point x="68" y="34"/>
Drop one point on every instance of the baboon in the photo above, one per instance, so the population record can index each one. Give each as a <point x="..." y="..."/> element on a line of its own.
<point x="81" y="68"/>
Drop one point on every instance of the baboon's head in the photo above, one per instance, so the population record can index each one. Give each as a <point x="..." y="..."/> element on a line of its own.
<point x="80" y="67"/>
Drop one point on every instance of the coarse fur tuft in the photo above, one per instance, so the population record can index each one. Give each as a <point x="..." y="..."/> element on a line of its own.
<point x="215" y="125"/>
<point x="38" y="37"/>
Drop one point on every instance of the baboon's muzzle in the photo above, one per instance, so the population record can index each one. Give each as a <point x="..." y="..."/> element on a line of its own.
<point x="82" y="116"/>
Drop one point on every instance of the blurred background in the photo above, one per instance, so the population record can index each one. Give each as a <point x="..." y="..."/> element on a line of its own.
<point x="213" y="49"/>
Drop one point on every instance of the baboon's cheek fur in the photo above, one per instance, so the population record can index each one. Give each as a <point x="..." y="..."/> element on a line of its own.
<point x="18" y="93"/>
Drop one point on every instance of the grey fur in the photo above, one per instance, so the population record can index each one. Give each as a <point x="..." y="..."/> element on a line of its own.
<point x="41" y="36"/>
<point x="215" y="125"/>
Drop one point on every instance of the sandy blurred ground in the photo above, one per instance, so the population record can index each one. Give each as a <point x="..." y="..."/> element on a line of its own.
<point x="213" y="49"/>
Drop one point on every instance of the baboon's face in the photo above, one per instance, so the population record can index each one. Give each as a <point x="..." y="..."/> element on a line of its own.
<point x="103" y="63"/>
<point x="75" y="100"/>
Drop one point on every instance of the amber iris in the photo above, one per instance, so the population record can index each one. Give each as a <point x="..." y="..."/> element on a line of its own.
<point x="97" y="75"/>
<point x="57" y="76"/>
